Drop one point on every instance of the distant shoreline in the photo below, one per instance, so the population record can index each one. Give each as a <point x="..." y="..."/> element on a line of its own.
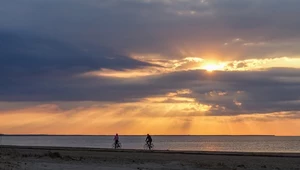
<point x="144" y="135"/>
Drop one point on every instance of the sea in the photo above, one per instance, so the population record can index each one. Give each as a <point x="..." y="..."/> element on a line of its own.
<point x="284" y="144"/>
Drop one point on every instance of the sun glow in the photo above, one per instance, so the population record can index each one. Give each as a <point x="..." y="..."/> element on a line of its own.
<point x="213" y="67"/>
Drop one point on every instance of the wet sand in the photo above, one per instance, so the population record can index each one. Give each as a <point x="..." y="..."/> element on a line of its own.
<point x="54" y="158"/>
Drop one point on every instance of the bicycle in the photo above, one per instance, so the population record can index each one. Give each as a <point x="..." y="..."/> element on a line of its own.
<point x="149" y="146"/>
<point x="117" y="145"/>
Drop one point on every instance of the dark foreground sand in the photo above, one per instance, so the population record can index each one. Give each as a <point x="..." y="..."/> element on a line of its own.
<point x="46" y="158"/>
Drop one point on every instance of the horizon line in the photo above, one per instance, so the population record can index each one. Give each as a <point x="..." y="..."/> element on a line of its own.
<point x="139" y="135"/>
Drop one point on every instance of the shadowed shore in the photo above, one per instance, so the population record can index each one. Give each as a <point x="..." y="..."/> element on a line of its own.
<point x="28" y="157"/>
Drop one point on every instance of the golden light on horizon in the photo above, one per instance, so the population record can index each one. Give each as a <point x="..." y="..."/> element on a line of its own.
<point x="158" y="118"/>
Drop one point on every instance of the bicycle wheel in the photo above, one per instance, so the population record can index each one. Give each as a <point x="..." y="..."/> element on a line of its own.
<point x="113" y="146"/>
<point x="151" y="146"/>
<point x="119" y="145"/>
<point x="146" y="147"/>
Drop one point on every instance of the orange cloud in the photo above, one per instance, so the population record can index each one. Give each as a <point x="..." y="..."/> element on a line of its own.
<point x="141" y="118"/>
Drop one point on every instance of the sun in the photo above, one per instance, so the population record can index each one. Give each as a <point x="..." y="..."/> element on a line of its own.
<point x="210" y="68"/>
<point x="213" y="67"/>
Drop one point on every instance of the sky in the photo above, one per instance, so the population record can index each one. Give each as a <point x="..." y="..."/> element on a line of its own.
<point x="197" y="67"/>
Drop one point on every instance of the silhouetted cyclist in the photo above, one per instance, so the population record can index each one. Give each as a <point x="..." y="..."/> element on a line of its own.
<point x="116" y="139"/>
<point x="149" y="140"/>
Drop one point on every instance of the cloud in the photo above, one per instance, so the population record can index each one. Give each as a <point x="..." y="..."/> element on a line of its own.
<point x="139" y="118"/>
<point x="172" y="29"/>
<point x="223" y="93"/>
<point x="32" y="55"/>
<point x="233" y="93"/>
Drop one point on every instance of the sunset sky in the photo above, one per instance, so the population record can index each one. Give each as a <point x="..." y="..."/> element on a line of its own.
<point x="202" y="67"/>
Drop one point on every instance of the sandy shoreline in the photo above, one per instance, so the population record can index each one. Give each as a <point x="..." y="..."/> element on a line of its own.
<point x="24" y="157"/>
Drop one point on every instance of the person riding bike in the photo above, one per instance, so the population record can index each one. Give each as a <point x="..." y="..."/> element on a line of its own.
<point x="116" y="139"/>
<point x="149" y="140"/>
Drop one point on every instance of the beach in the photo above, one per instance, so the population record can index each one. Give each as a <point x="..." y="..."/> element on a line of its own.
<point x="70" y="158"/>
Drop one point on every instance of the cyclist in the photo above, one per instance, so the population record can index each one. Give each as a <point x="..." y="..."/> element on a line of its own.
<point x="116" y="139"/>
<point x="149" y="140"/>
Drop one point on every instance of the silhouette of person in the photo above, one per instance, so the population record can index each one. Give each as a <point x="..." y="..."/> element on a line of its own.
<point x="148" y="139"/>
<point x="116" y="139"/>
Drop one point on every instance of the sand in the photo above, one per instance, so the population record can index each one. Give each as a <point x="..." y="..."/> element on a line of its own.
<point x="62" y="158"/>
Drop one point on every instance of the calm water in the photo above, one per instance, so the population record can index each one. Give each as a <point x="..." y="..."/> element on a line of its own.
<point x="194" y="143"/>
